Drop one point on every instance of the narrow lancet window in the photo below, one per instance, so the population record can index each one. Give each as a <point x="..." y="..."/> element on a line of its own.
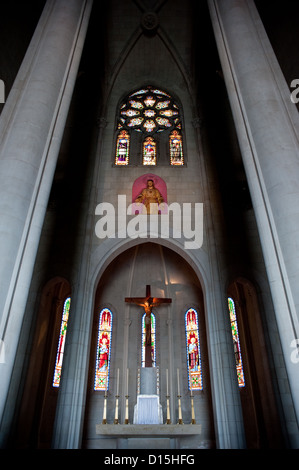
<point x="103" y="350"/>
<point x="153" y="340"/>
<point x="122" y="148"/>
<point x="236" y="341"/>
<point x="149" y="151"/>
<point x="61" y="343"/>
<point x="193" y="350"/>
<point x="176" y="148"/>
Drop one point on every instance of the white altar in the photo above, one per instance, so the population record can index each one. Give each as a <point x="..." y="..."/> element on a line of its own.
<point x="148" y="409"/>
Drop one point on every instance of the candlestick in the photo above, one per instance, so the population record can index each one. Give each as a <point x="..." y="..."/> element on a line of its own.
<point x="192" y="411"/>
<point x="116" y="410"/>
<point x="117" y="397"/>
<point x="168" y="420"/>
<point x="104" y="421"/>
<point x="180" y="421"/>
<point x="127" y="410"/>
<point x="192" y="403"/>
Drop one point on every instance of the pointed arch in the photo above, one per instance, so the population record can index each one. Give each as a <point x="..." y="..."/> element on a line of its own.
<point x="260" y="427"/>
<point x="39" y="397"/>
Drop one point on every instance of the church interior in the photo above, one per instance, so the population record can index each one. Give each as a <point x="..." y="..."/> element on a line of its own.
<point x="148" y="224"/>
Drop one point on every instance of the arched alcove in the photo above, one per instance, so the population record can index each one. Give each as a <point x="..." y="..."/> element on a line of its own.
<point x="259" y="406"/>
<point x="168" y="275"/>
<point x="38" y="406"/>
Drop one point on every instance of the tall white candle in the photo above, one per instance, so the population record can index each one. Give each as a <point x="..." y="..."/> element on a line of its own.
<point x="167" y="382"/>
<point x="127" y="382"/>
<point x="117" y="383"/>
<point x="178" y="371"/>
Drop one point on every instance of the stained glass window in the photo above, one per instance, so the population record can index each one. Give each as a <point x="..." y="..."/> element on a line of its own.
<point x="150" y="111"/>
<point x="162" y="104"/>
<point x="193" y="350"/>
<point x="103" y="350"/>
<point x="149" y="151"/>
<point x="236" y="340"/>
<point x="61" y="342"/>
<point x="153" y="340"/>
<point x="122" y="148"/>
<point x="176" y="148"/>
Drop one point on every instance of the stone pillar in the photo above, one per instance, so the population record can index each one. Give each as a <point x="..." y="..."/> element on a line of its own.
<point x="227" y="408"/>
<point x="267" y="126"/>
<point x="31" y="129"/>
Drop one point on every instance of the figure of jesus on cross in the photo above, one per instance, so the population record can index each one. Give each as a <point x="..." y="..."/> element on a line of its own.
<point x="148" y="302"/>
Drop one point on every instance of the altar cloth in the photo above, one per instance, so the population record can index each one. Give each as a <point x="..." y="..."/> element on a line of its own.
<point x="148" y="410"/>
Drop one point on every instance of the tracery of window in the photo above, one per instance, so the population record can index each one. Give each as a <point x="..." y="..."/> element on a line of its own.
<point x="236" y="341"/>
<point x="61" y="343"/>
<point x="149" y="151"/>
<point x="153" y="340"/>
<point x="122" y="148"/>
<point x="102" y="368"/>
<point x="152" y="111"/>
<point x="193" y="350"/>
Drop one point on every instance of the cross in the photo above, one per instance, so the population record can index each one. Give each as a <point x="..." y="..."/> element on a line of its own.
<point x="147" y="303"/>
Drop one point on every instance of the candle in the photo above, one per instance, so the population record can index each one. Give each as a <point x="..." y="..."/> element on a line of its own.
<point x="178" y="382"/>
<point x="117" y="383"/>
<point x="167" y="382"/>
<point x="127" y="382"/>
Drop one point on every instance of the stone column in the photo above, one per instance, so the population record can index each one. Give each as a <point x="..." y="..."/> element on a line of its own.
<point x="227" y="408"/>
<point x="267" y="126"/>
<point x="31" y="129"/>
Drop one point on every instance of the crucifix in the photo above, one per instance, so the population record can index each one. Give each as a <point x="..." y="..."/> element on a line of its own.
<point x="148" y="302"/>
